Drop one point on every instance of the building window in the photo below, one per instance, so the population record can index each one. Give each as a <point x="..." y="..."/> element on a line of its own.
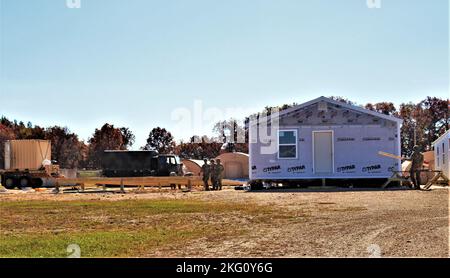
<point x="437" y="156"/>
<point x="287" y="144"/>
<point x="443" y="154"/>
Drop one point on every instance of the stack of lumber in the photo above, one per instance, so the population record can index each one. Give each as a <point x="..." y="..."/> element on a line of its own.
<point x="141" y="181"/>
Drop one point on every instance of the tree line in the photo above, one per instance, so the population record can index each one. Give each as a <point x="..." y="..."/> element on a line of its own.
<point x="69" y="151"/>
<point x="67" y="148"/>
<point x="423" y="123"/>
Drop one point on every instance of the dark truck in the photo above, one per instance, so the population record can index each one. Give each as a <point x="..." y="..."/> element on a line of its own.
<point x="140" y="164"/>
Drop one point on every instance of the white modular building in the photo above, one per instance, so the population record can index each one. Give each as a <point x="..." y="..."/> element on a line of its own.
<point x="441" y="154"/>
<point x="324" y="139"/>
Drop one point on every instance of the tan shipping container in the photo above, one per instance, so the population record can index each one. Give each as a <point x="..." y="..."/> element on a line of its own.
<point x="26" y="154"/>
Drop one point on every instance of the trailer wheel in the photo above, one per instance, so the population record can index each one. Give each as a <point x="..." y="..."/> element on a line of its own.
<point x="256" y="185"/>
<point x="24" y="182"/>
<point x="10" y="183"/>
<point x="36" y="183"/>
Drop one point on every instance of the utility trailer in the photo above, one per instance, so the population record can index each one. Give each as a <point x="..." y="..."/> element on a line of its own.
<point x="28" y="163"/>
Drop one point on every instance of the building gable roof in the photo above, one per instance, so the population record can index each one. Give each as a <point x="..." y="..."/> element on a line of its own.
<point x="446" y="134"/>
<point x="342" y="104"/>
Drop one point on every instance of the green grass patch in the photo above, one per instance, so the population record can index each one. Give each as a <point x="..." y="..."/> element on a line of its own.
<point x="92" y="244"/>
<point x="128" y="228"/>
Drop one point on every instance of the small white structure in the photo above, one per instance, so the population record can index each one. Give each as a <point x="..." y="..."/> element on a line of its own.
<point x="442" y="153"/>
<point x="193" y="166"/>
<point x="324" y="139"/>
<point x="235" y="165"/>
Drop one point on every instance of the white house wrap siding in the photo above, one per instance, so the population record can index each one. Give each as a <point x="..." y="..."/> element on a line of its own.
<point x="442" y="153"/>
<point x="336" y="141"/>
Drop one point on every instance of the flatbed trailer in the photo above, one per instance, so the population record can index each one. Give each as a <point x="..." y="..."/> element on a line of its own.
<point x="27" y="164"/>
<point x="29" y="178"/>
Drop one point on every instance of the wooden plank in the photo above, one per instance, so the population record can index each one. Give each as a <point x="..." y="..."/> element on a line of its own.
<point x="390" y="155"/>
<point x="141" y="181"/>
<point x="425" y="163"/>
<point x="150" y="181"/>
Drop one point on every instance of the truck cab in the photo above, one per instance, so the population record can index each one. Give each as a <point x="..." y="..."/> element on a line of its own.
<point x="169" y="163"/>
<point x="122" y="163"/>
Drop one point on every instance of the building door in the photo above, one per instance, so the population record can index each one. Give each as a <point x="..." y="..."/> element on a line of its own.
<point x="233" y="170"/>
<point x="323" y="152"/>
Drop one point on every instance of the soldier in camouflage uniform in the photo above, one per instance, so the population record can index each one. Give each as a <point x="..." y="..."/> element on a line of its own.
<point x="416" y="166"/>
<point x="219" y="174"/>
<point x="206" y="171"/>
<point x="213" y="174"/>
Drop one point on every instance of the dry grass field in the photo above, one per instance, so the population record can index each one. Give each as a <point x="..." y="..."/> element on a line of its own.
<point x="229" y="223"/>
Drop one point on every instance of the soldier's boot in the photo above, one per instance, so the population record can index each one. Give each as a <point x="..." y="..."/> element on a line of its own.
<point x="417" y="186"/>
<point x="418" y="180"/>
<point x="412" y="180"/>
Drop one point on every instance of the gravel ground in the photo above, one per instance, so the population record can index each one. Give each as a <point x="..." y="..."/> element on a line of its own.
<point x="391" y="223"/>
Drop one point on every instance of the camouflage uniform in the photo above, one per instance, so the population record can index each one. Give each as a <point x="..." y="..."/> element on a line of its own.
<point x="213" y="174"/>
<point x="206" y="170"/>
<point x="219" y="174"/>
<point x="416" y="166"/>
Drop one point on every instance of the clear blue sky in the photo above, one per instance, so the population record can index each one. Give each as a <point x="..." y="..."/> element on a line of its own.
<point x="131" y="63"/>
